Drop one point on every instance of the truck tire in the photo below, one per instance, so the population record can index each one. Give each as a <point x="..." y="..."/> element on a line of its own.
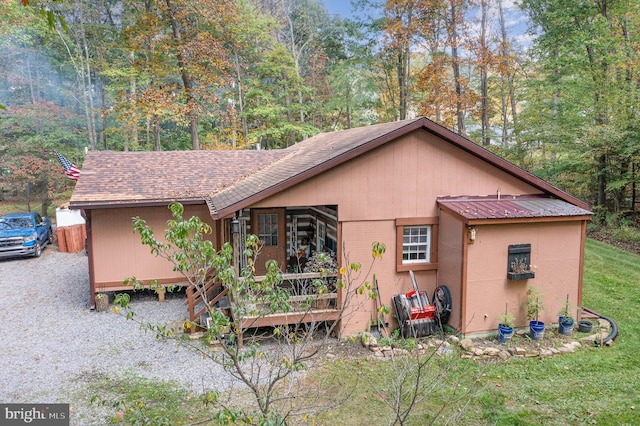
<point x="38" y="251"/>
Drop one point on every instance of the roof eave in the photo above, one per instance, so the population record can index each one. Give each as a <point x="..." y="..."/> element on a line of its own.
<point x="93" y="205"/>
<point x="511" y="220"/>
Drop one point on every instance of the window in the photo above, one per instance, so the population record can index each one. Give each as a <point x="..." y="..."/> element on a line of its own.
<point x="268" y="229"/>
<point x="416" y="244"/>
<point x="320" y="236"/>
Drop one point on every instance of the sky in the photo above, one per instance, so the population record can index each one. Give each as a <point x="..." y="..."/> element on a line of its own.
<point x="516" y="20"/>
<point x="339" y="7"/>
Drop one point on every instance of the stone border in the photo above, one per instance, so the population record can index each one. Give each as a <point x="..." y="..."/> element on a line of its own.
<point x="485" y="349"/>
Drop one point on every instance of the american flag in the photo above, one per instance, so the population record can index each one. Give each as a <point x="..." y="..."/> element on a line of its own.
<point x="70" y="169"/>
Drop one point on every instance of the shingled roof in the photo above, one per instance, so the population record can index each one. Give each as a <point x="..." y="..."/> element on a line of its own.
<point x="120" y="179"/>
<point x="231" y="180"/>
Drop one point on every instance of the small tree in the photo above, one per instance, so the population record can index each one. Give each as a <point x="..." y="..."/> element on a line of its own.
<point x="534" y="303"/>
<point x="506" y="318"/>
<point x="267" y="371"/>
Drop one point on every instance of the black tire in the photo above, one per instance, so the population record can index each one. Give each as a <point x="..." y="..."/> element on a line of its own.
<point x="50" y="239"/>
<point x="442" y="299"/>
<point x="38" y="251"/>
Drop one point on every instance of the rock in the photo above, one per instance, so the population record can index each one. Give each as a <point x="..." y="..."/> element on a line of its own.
<point x="591" y="338"/>
<point x="330" y="355"/>
<point x="478" y="352"/>
<point x="454" y="339"/>
<point x="368" y="340"/>
<point x="504" y="355"/>
<point x="444" y="350"/>
<point x="532" y="354"/>
<point x="378" y="353"/>
<point x="545" y="352"/>
<point x="554" y="351"/>
<point x="467" y="345"/>
<point x="521" y="351"/>
<point x="492" y="351"/>
<point x="565" y="350"/>
<point x="604" y="324"/>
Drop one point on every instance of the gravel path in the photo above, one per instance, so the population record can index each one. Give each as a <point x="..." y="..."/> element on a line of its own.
<point x="53" y="345"/>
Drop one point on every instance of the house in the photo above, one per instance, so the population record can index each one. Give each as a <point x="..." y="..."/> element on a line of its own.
<point x="447" y="209"/>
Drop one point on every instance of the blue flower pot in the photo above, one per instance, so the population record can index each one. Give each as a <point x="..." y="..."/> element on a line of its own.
<point x="536" y="329"/>
<point x="504" y="333"/>
<point x="565" y="325"/>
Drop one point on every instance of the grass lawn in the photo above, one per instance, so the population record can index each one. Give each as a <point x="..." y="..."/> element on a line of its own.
<point x="592" y="386"/>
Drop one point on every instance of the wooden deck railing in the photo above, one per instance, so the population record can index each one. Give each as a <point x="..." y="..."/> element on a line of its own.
<point x="306" y="306"/>
<point x="196" y="306"/>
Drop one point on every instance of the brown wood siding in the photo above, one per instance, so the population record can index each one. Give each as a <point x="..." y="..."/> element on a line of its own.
<point x="401" y="179"/>
<point x="451" y="252"/>
<point x="555" y="251"/>
<point x="120" y="251"/>
<point x="358" y="237"/>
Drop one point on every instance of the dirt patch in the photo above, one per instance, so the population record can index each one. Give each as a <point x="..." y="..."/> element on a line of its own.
<point x="603" y="236"/>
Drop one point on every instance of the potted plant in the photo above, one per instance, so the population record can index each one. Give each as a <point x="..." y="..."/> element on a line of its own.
<point x="534" y="306"/>
<point x="505" y="325"/>
<point x="565" y="320"/>
<point x="519" y="269"/>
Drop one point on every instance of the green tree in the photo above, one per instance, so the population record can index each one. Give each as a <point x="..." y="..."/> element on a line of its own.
<point x="586" y="89"/>
<point x="271" y="102"/>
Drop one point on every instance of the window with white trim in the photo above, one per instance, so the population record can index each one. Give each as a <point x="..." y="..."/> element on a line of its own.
<point x="416" y="244"/>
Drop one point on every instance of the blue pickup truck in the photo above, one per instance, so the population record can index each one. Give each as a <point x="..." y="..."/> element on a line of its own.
<point x="24" y="234"/>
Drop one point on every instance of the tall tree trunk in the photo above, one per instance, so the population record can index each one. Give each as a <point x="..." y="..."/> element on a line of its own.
<point x="85" y="63"/>
<point x="508" y="95"/>
<point x="103" y="107"/>
<point x="156" y="134"/>
<point x="455" y="64"/>
<point x="186" y="78"/>
<point x="484" y="64"/>
<point x="402" y="72"/>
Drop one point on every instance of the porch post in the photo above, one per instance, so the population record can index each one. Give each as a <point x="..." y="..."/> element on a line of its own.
<point x="235" y="231"/>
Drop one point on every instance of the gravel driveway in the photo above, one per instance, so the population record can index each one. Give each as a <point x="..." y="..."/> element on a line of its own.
<point x="53" y="345"/>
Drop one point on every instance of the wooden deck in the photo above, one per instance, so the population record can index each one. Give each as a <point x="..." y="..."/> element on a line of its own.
<point x="323" y="308"/>
<point x="306" y="307"/>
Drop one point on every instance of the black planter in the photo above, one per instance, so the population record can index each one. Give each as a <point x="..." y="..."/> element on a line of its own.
<point x="520" y="275"/>
<point x="585" y="326"/>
